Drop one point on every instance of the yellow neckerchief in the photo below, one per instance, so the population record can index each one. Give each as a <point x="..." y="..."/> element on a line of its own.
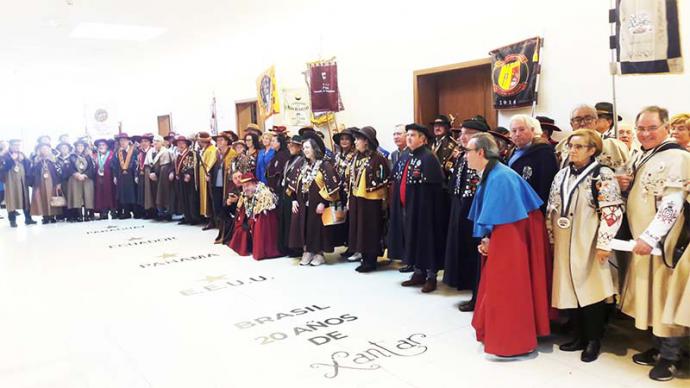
<point x="125" y="164"/>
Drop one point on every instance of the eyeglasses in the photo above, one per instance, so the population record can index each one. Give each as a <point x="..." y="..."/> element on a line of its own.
<point x="653" y="128"/>
<point x="576" y="147"/>
<point x="583" y="120"/>
<point x="468" y="150"/>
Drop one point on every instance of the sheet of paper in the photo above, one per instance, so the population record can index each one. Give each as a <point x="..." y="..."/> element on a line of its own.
<point x="628" y="245"/>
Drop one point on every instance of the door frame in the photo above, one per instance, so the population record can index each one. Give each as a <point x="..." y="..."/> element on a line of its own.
<point x="418" y="74"/>
<point x="243" y="103"/>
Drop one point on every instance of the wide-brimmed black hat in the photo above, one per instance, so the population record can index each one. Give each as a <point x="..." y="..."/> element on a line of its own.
<point x="122" y="135"/>
<point x="547" y="123"/>
<point x="81" y="140"/>
<point x="368" y="133"/>
<point x="501" y="137"/>
<point x="502" y="130"/>
<point x="441" y="120"/>
<point x="313" y="135"/>
<point x="108" y="142"/>
<point x="347" y="132"/>
<point x="170" y="137"/>
<point x="64" y="143"/>
<point x="296" y="139"/>
<point x="477" y="125"/>
<point x="304" y="130"/>
<point x="420" y="128"/>
<point x="606" y="108"/>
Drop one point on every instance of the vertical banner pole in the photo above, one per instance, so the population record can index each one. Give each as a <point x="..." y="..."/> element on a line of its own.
<point x="613" y="67"/>
<point x="539" y="47"/>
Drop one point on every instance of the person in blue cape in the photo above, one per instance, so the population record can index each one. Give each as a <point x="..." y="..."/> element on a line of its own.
<point x="512" y="307"/>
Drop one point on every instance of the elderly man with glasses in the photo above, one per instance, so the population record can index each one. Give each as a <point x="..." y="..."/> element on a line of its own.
<point x="614" y="154"/>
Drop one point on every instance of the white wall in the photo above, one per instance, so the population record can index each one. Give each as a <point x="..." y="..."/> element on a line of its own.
<point x="378" y="45"/>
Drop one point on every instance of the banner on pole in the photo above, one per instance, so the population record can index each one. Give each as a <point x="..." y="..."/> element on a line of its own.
<point x="323" y="86"/>
<point x="102" y="121"/>
<point x="296" y="107"/>
<point x="514" y="72"/>
<point x="267" y="93"/>
<point x="647" y="37"/>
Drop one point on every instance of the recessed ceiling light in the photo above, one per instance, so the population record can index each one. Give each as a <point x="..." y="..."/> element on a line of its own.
<point x="115" y="32"/>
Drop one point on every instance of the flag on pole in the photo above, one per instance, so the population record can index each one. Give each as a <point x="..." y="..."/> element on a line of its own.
<point x="647" y="37"/>
<point x="322" y="79"/>
<point x="267" y="94"/>
<point x="214" y="118"/>
<point x="514" y="73"/>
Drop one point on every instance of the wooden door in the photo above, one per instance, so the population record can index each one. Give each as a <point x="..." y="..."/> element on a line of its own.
<point x="462" y="90"/>
<point x="164" y="125"/>
<point x="246" y="113"/>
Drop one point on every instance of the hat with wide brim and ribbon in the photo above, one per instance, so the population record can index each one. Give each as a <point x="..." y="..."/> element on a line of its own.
<point x="183" y="138"/>
<point x="606" y="108"/>
<point x="147" y="136"/>
<point x="253" y="128"/>
<point x="122" y="135"/>
<point x="501" y="137"/>
<point x="279" y="130"/>
<point x="230" y="136"/>
<point x="296" y="139"/>
<point x="345" y="132"/>
<point x="314" y="136"/>
<point x="547" y="124"/>
<point x="64" y="143"/>
<point x="107" y="142"/>
<point x="82" y="140"/>
<point x="304" y="130"/>
<point x="368" y="133"/>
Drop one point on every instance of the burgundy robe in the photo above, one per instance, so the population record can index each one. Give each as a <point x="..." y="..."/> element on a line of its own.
<point x="256" y="236"/>
<point x="105" y="188"/>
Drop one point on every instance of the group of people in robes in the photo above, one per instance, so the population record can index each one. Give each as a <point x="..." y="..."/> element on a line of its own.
<point x="543" y="233"/>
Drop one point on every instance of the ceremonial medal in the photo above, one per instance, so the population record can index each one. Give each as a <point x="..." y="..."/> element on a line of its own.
<point x="101" y="172"/>
<point x="567" y="191"/>
<point x="46" y="175"/>
<point x="124" y="172"/>
<point x="16" y="168"/>
<point x="563" y="223"/>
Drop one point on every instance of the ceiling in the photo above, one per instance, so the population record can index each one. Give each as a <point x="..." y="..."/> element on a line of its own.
<point x="37" y="32"/>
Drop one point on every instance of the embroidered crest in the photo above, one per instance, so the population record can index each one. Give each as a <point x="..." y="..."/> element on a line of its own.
<point x="527" y="172"/>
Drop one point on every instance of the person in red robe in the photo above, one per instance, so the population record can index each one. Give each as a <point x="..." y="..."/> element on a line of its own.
<point x="256" y="222"/>
<point x="512" y="307"/>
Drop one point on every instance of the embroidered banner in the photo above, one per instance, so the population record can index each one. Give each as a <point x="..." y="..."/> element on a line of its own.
<point x="647" y="36"/>
<point x="267" y="94"/>
<point x="514" y="71"/>
<point x="323" y="86"/>
<point x="296" y="106"/>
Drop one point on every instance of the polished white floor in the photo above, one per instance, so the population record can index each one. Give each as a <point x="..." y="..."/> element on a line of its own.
<point x="82" y="309"/>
